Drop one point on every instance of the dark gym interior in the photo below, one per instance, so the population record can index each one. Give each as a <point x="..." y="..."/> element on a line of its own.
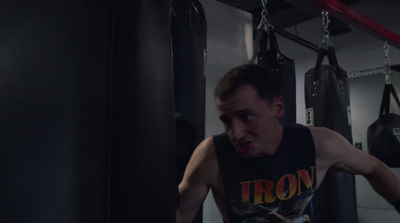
<point x="94" y="94"/>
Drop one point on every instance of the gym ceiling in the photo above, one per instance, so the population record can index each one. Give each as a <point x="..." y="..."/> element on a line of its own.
<point x="281" y="13"/>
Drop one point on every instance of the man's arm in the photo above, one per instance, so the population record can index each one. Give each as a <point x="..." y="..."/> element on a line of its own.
<point x="384" y="181"/>
<point x="199" y="174"/>
<point x="333" y="150"/>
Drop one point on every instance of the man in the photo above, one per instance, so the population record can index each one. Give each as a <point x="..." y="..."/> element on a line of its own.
<point x="260" y="171"/>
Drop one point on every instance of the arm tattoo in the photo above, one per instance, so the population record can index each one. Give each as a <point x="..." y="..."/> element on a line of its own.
<point x="350" y="169"/>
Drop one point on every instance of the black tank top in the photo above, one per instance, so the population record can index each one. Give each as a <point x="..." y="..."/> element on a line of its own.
<point x="278" y="188"/>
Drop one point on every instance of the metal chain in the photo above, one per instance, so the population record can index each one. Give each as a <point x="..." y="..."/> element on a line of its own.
<point x="325" y="22"/>
<point x="264" y="14"/>
<point x="326" y="41"/>
<point x="387" y="62"/>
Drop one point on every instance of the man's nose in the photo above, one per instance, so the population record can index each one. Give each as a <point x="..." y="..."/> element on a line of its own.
<point x="237" y="130"/>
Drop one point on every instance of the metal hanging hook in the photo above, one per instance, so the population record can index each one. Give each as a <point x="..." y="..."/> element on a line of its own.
<point x="264" y="24"/>
<point x="326" y="41"/>
<point x="325" y="19"/>
<point x="387" y="63"/>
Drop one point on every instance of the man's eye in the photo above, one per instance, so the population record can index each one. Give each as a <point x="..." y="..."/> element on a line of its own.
<point x="247" y="117"/>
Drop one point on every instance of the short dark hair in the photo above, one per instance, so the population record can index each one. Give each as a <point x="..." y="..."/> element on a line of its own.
<point x="264" y="81"/>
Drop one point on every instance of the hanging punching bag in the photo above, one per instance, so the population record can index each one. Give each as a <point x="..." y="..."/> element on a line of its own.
<point x="283" y="67"/>
<point x="143" y="158"/>
<point x="54" y="110"/>
<point x="189" y="42"/>
<point x="328" y="104"/>
<point x="383" y="135"/>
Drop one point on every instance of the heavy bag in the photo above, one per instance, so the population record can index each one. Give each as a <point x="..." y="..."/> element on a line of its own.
<point x="141" y="147"/>
<point x="189" y="43"/>
<point x="283" y="67"/>
<point x="328" y="104"/>
<point x="185" y="134"/>
<point x="383" y="135"/>
<point x="327" y="96"/>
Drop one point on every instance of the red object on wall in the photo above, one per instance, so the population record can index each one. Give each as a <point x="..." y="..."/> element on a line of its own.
<point x="345" y="13"/>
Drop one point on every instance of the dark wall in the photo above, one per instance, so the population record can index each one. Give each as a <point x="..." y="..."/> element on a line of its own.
<point x="56" y="63"/>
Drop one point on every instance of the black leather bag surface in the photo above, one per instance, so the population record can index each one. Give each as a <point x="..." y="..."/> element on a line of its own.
<point x="327" y="100"/>
<point x="383" y="135"/>
<point x="269" y="55"/>
<point x="327" y="96"/>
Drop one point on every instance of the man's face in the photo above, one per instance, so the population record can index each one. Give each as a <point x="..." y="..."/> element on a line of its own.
<point x="251" y="123"/>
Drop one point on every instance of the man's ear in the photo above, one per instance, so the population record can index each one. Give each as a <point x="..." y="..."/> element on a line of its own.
<point x="279" y="106"/>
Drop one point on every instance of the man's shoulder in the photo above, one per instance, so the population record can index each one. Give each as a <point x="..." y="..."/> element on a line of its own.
<point x="222" y="135"/>
<point x="204" y="162"/>
<point x="322" y="133"/>
<point x="328" y="143"/>
<point x="298" y="132"/>
<point x="206" y="148"/>
<point x="203" y="154"/>
<point x="221" y="140"/>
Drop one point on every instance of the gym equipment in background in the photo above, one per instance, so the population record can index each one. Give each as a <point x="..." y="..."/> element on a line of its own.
<point x="327" y="95"/>
<point x="142" y="153"/>
<point x="327" y="102"/>
<point x="383" y="135"/>
<point x="283" y="67"/>
<point x="328" y="105"/>
<point x="55" y="104"/>
<point x="269" y="56"/>
<point x="189" y="44"/>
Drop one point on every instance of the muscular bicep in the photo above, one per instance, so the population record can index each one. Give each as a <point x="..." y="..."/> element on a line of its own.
<point x="192" y="196"/>
<point x="196" y="181"/>
<point x="355" y="161"/>
<point x="335" y="151"/>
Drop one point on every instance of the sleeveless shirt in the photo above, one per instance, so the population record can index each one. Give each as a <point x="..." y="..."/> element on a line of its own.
<point x="278" y="188"/>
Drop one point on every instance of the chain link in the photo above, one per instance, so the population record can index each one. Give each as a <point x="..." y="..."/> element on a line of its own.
<point x="326" y="41"/>
<point x="264" y="24"/>
<point x="387" y="63"/>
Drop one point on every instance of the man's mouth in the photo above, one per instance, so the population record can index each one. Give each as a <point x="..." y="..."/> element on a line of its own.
<point x="243" y="147"/>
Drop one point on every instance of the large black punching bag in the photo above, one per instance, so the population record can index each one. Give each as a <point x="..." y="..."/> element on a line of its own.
<point x="328" y="104"/>
<point x="189" y="41"/>
<point x="383" y="135"/>
<point x="283" y="67"/>
<point x="55" y="62"/>
<point x="143" y="168"/>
